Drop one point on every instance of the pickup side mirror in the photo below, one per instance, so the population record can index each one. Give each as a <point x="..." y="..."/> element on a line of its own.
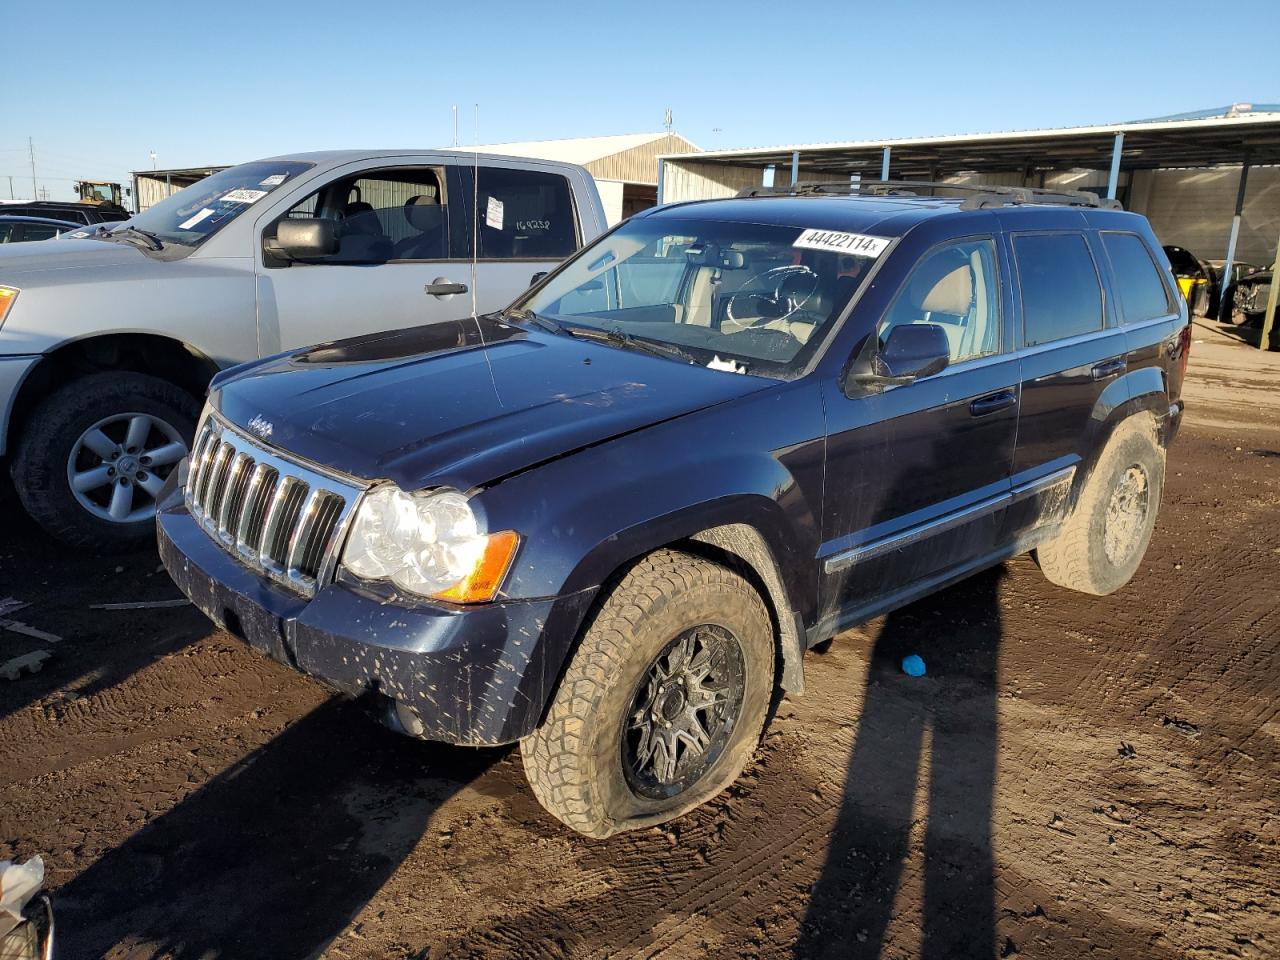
<point x="912" y="351"/>
<point x="303" y="239"/>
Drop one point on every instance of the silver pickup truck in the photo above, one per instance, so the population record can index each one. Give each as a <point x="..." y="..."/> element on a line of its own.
<point x="109" y="335"/>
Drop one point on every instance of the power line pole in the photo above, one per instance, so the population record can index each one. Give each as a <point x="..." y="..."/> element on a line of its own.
<point x="32" y="151"/>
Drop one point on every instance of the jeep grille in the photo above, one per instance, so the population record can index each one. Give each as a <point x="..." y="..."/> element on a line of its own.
<point x="273" y="514"/>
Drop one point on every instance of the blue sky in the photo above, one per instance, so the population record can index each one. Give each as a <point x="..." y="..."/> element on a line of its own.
<point x="241" y="80"/>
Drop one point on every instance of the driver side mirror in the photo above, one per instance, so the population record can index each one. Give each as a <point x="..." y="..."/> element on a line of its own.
<point x="303" y="239"/>
<point x="912" y="351"/>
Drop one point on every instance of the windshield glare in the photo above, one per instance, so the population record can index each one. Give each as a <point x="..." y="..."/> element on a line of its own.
<point x="191" y="216"/>
<point x="737" y="291"/>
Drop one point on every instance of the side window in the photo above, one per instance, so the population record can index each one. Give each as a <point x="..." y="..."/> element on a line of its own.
<point x="5" y="230"/>
<point x="1142" y="294"/>
<point x="1061" y="296"/>
<point x="524" y="215"/>
<point x="384" y="215"/>
<point x="954" y="287"/>
<point x="40" y="231"/>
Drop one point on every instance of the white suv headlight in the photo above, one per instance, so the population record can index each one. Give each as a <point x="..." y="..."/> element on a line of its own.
<point x="429" y="544"/>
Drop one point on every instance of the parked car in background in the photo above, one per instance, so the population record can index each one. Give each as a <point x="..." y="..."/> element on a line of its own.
<point x="23" y="229"/>
<point x="82" y="213"/>
<point x="607" y="521"/>
<point x="1197" y="280"/>
<point x="1249" y="300"/>
<point x="108" y="341"/>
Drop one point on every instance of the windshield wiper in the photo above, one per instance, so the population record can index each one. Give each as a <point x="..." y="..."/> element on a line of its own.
<point x="139" y="238"/>
<point x="622" y="339"/>
<point x="546" y="323"/>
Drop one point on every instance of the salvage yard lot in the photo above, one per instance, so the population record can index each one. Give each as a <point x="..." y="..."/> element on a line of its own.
<point x="1074" y="775"/>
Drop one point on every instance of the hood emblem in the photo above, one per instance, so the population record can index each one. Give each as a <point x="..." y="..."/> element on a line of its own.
<point x="260" y="426"/>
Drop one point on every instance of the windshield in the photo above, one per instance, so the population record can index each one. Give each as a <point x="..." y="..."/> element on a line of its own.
<point x="757" y="296"/>
<point x="191" y="216"/>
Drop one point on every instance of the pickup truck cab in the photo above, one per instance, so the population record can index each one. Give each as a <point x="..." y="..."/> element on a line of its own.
<point x="608" y="521"/>
<point x="110" y="335"/>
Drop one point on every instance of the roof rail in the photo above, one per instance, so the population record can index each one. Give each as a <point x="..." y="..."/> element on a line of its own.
<point x="976" y="196"/>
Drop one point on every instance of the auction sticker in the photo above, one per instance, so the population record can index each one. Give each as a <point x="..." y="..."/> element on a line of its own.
<point x="855" y="244"/>
<point x="192" y="221"/>
<point x="243" y="196"/>
<point x="493" y="213"/>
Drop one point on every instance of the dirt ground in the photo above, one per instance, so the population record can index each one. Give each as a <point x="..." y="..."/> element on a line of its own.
<point x="1074" y="775"/>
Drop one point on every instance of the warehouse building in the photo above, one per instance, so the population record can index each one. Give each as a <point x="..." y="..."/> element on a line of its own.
<point x="625" y="167"/>
<point x="1209" y="181"/>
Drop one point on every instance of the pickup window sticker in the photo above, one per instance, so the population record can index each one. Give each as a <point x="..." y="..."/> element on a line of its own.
<point x="857" y="244"/>
<point x="243" y="196"/>
<point x="193" y="220"/>
<point x="274" y="180"/>
<point x="493" y="214"/>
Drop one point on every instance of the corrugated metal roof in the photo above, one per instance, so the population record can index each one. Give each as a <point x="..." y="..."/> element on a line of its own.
<point x="1240" y="122"/>
<point x="580" y="150"/>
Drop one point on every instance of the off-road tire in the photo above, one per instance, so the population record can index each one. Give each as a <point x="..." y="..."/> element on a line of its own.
<point x="40" y="463"/>
<point x="1076" y="558"/>
<point x="573" y="761"/>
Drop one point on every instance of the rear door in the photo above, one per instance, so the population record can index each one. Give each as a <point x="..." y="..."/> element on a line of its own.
<point x="1073" y="355"/>
<point x="520" y="221"/>
<point x="918" y="475"/>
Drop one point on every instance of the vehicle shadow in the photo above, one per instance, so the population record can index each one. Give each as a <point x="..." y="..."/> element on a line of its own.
<point x="58" y="588"/>
<point x="940" y="729"/>
<point x="274" y="857"/>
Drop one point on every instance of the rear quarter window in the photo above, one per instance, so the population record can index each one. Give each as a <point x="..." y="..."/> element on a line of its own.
<point x="1141" y="292"/>
<point x="1061" y="294"/>
<point x="524" y="215"/>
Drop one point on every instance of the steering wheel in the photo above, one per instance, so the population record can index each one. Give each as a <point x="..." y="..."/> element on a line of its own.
<point x="787" y="290"/>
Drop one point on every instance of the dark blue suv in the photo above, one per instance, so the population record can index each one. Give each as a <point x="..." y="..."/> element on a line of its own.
<point x="608" y="521"/>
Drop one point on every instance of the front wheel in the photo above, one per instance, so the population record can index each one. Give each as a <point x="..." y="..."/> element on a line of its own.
<point x="663" y="702"/>
<point x="93" y="457"/>
<point x="1103" y="541"/>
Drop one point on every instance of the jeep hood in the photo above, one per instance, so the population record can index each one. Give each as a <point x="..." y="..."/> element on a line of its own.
<point x="460" y="403"/>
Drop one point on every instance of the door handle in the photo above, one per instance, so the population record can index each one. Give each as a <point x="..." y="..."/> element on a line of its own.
<point x="1109" y="368"/>
<point x="992" y="403"/>
<point x="442" y="287"/>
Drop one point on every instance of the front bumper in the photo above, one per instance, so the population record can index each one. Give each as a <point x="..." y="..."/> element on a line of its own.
<point x="13" y="370"/>
<point x="472" y="675"/>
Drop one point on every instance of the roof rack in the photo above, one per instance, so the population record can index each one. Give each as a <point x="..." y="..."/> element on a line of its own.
<point x="976" y="197"/>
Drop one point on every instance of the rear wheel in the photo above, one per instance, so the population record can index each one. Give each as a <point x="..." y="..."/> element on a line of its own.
<point x="663" y="702"/>
<point x="1103" y="541"/>
<point x="93" y="457"/>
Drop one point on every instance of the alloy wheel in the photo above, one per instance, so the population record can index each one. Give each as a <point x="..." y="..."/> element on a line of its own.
<point x="683" y="712"/>
<point x="118" y="466"/>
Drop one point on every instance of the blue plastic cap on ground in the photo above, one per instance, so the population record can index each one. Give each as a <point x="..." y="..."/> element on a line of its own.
<point x="913" y="666"/>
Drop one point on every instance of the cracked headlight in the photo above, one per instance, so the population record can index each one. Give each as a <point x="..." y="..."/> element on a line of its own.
<point x="429" y="544"/>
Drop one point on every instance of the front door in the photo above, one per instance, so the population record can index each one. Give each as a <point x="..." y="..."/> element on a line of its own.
<point x="918" y="475"/>
<point x="396" y="236"/>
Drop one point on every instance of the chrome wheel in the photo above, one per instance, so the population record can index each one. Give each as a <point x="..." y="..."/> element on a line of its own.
<point x="1127" y="515"/>
<point x="118" y="465"/>
<point x="683" y="712"/>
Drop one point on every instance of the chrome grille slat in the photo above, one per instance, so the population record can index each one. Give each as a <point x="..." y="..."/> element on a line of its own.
<point x="237" y="476"/>
<point x="273" y="514"/>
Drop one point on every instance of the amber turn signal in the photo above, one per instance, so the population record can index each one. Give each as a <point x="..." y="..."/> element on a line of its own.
<point x="7" y="296"/>
<point x="482" y="583"/>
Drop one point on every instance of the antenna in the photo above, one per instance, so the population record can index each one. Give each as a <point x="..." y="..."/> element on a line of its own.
<point x="475" y="252"/>
<point x="455" y="125"/>
<point x="666" y="120"/>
